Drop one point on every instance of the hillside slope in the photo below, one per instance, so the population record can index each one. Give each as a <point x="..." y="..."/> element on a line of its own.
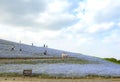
<point x="98" y="67"/>
<point x="33" y="51"/>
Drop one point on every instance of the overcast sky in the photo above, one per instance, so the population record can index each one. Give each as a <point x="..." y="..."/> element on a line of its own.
<point x="91" y="27"/>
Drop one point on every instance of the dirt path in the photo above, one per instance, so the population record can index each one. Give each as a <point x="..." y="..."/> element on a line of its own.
<point x="22" y="79"/>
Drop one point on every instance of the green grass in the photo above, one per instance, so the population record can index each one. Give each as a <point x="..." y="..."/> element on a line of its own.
<point x="49" y="61"/>
<point x="113" y="60"/>
<point x="52" y="76"/>
<point x="10" y="75"/>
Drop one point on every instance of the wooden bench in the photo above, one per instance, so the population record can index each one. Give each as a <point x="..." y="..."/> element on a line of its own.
<point x="27" y="72"/>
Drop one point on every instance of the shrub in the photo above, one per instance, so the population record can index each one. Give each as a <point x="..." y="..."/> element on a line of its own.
<point x="113" y="60"/>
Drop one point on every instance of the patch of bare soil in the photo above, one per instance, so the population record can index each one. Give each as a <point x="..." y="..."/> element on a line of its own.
<point x="29" y="79"/>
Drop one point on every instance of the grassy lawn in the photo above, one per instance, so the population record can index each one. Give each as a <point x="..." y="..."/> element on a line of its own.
<point x="54" y="77"/>
<point x="49" y="61"/>
<point x="10" y="75"/>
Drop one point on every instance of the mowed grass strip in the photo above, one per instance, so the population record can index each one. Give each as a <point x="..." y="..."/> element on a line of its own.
<point x="47" y="76"/>
<point x="49" y="61"/>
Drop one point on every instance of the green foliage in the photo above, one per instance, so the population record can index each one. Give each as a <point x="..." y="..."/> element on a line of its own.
<point x="10" y="74"/>
<point x="113" y="60"/>
<point x="49" y="61"/>
<point x="58" y="76"/>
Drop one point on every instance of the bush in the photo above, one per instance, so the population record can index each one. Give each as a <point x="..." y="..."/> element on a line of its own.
<point x="113" y="60"/>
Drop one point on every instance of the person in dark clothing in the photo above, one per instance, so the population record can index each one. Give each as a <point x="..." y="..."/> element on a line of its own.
<point x="45" y="52"/>
<point x="13" y="48"/>
<point x="20" y="49"/>
<point x="44" y="45"/>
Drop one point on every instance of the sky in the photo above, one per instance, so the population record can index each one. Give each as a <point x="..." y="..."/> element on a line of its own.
<point x="90" y="27"/>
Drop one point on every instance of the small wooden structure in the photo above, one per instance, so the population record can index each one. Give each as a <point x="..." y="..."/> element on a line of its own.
<point x="27" y="72"/>
<point x="64" y="55"/>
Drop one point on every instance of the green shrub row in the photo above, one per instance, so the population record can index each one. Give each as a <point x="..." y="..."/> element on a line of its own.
<point x="113" y="60"/>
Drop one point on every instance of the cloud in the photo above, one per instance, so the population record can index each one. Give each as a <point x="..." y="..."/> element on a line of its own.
<point x="100" y="27"/>
<point x="58" y="6"/>
<point x="43" y="14"/>
<point x="113" y="37"/>
<point x="55" y="21"/>
<point x="26" y="36"/>
<point x="98" y="17"/>
<point x="16" y="11"/>
<point x="102" y="10"/>
<point x="56" y="16"/>
<point x="21" y="7"/>
<point x="110" y="13"/>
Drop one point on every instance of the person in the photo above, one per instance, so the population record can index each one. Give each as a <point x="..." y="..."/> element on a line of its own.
<point x="32" y="44"/>
<point x="45" y="52"/>
<point x="44" y="45"/>
<point x="20" y="49"/>
<point x="13" y="48"/>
